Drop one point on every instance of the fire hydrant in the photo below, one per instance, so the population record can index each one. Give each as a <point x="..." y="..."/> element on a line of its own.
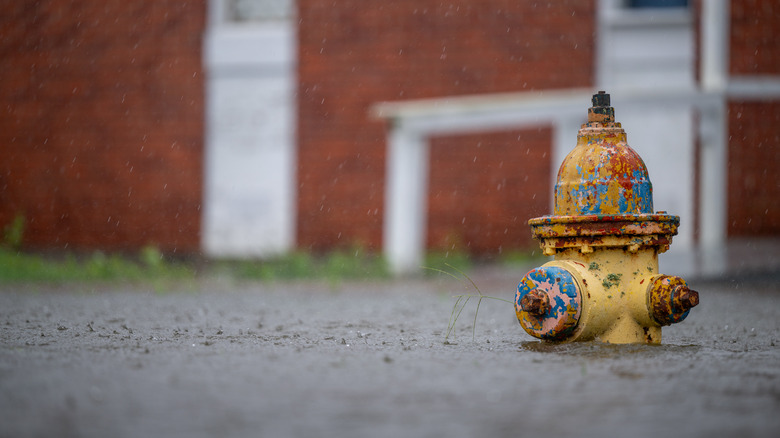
<point x="603" y="283"/>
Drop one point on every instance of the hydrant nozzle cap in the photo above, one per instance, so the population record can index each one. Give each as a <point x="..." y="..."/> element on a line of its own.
<point x="671" y="299"/>
<point x="548" y="303"/>
<point x="601" y="111"/>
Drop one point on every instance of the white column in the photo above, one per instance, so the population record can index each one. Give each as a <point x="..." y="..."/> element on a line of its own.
<point x="714" y="44"/>
<point x="713" y="186"/>
<point x="714" y="125"/>
<point x="249" y="182"/>
<point x="406" y="193"/>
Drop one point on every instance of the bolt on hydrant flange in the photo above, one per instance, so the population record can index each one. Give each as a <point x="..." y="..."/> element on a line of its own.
<point x="603" y="283"/>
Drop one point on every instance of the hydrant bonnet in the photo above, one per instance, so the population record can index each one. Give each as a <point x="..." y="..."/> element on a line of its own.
<point x="602" y="175"/>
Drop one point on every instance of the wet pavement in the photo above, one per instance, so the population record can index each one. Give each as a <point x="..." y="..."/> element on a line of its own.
<point x="358" y="359"/>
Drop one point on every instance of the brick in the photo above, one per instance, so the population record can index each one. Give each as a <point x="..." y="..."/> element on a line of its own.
<point x="91" y="91"/>
<point x="484" y="189"/>
<point x="353" y="54"/>
<point x="753" y="159"/>
<point x="753" y="44"/>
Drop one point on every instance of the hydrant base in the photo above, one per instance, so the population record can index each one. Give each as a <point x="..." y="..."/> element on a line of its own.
<point x="627" y="331"/>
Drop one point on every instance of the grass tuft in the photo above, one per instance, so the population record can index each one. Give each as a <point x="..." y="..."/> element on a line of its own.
<point x="462" y="300"/>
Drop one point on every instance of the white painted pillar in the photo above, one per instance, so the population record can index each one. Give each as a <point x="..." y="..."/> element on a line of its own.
<point x="714" y="44"/>
<point x="713" y="134"/>
<point x="714" y="125"/>
<point x="713" y="186"/>
<point x="250" y="161"/>
<point x="406" y="192"/>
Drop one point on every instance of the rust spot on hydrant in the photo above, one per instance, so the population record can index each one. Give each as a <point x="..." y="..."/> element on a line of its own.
<point x="605" y="238"/>
<point x="671" y="299"/>
<point x="535" y="302"/>
<point x="684" y="299"/>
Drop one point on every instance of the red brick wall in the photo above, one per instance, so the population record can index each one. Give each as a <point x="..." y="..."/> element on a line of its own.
<point x="754" y="157"/>
<point x="754" y="43"/>
<point x="101" y="132"/>
<point x="754" y="126"/>
<point x="484" y="188"/>
<point x="354" y="53"/>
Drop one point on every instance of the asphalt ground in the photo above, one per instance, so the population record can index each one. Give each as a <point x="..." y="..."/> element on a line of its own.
<point x="370" y="359"/>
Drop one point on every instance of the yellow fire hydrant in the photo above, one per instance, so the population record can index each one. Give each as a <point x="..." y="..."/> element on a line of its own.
<point x="603" y="283"/>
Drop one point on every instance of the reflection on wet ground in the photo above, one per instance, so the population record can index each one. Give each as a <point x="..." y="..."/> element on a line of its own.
<point x="598" y="350"/>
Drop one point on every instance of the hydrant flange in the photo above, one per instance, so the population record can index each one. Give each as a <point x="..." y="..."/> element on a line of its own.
<point x="632" y="231"/>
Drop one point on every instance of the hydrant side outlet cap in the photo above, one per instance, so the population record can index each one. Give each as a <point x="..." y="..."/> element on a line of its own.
<point x="548" y="303"/>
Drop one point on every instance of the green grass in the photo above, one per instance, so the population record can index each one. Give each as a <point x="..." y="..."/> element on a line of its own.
<point x="334" y="266"/>
<point x="150" y="265"/>
<point x="20" y="267"/>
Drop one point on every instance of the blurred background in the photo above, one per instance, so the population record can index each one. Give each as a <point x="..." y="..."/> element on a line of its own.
<point x="254" y="128"/>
